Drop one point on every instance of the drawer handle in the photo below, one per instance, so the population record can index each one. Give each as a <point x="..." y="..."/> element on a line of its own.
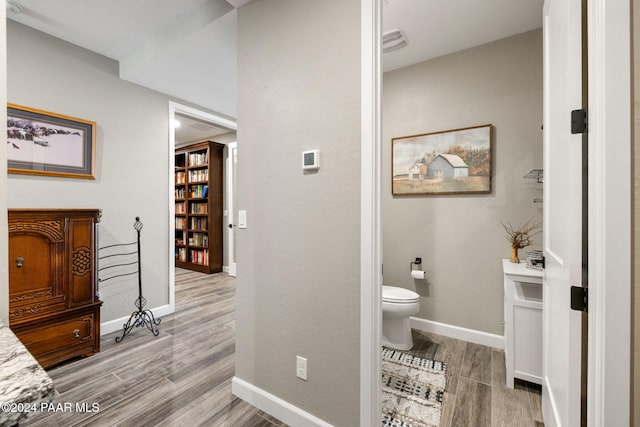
<point x="19" y="261"/>
<point x="76" y="333"/>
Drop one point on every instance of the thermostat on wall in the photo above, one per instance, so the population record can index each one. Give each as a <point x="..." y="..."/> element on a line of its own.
<point x="311" y="159"/>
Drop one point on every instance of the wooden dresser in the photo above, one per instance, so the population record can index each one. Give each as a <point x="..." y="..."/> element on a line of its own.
<point x="53" y="306"/>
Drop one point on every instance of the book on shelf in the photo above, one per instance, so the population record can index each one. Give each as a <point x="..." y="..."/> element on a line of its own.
<point x="198" y="159"/>
<point x="205" y="191"/>
<point x="199" y="239"/>
<point x="199" y="256"/>
<point x="181" y="223"/>
<point x="199" y="208"/>
<point x="181" y="254"/>
<point x="198" y="175"/>
<point x="197" y="191"/>
<point x="199" y="223"/>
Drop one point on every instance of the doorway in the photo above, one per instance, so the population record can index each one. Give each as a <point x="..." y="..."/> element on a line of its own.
<point x="190" y="125"/>
<point x="609" y="207"/>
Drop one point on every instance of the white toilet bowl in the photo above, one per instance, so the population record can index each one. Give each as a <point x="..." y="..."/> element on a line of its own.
<point x="398" y="304"/>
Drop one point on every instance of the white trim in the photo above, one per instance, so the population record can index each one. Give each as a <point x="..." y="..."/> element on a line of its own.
<point x="225" y="269"/>
<point x="610" y="177"/>
<point x="230" y="166"/>
<point x="202" y="115"/>
<point x="370" y="226"/>
<point x="117" y="324"/>
<point x="459" y="333"/>
<point x="174" y="108"/>
<point x="274" y="406"/>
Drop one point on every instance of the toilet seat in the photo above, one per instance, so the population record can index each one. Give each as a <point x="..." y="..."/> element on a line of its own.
<point x="396" y="295"/>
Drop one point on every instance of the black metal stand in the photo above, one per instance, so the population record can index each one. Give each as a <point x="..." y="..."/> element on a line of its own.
<point x="140" y="317"/>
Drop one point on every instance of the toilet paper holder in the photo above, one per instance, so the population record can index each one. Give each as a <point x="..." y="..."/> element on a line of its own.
<point x="417" y="262"/>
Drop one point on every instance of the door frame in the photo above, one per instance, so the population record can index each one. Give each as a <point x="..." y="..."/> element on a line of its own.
<point x="219" y="120"/>
<point x="370" y="221"/>
<point x="610" y="177"/>
<point x="231" y="165"/>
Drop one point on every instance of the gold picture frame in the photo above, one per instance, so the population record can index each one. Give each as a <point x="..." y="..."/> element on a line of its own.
<point x="44" y="143"/>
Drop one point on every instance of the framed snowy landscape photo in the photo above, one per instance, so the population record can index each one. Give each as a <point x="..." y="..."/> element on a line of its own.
<point x="44" y="143"/>
<point x="448" y="162"/>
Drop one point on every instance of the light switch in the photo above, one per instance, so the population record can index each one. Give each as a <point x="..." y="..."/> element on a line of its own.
<point x="242" y="219"/>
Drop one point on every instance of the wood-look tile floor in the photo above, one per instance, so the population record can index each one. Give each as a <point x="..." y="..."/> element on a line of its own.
<point x="182" y="377"/>
<point x="476" y="394"/>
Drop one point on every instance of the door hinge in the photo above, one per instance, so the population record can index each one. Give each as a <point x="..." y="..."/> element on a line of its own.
<point x="578" y="121"/>
<point x="579" y="298"/>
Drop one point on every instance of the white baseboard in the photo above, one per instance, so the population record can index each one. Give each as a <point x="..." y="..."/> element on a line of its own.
<point x="117" y="324"/>
<point x="225" y="269"/>
<point x="274" y="406"/>
<point x="457" y="332"/>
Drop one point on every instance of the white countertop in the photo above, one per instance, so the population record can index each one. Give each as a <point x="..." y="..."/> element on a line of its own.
<point x="513" y="269"/>
<point x="22" y="379"/>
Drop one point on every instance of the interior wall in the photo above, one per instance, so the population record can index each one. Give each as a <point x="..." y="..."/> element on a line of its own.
<point x="4" y="243"/>
<point x="131" y="171"/>
<point x="298" y="287"/>
<point x="459" y="237"/>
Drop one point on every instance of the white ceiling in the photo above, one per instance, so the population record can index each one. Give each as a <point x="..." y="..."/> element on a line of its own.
<point x="187" y="48"/>
<point x="194" y="130"/>
<point x="438" y="27"/>
<point x="184" y="48"/>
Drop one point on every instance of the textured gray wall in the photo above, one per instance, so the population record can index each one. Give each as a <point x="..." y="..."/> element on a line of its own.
<point x="459" y="237"/>
<point x="299" y="259"/>
<point x="132" y="153"/>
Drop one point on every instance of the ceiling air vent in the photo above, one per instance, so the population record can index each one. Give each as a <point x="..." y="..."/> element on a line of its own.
<point x="13" y="7"/>
<point x="393" y="40"/>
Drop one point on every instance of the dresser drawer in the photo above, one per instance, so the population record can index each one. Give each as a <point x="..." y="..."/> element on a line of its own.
<point x="61" y="339"/>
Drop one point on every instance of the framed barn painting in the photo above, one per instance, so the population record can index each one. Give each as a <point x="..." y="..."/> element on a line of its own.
<point x="449" y="162"/>
<point x="44" y="143"/>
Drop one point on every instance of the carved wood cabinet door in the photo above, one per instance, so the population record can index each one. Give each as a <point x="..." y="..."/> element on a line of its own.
<point x="36" y="251"/>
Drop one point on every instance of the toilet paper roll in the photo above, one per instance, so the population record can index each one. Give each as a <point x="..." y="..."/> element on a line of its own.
<point x="417" y="274"/>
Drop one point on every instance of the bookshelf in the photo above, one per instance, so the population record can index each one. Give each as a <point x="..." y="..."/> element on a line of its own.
<point x="198" y="207"/>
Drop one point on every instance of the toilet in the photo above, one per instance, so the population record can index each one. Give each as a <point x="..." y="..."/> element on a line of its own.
<point x="398" y="304"/>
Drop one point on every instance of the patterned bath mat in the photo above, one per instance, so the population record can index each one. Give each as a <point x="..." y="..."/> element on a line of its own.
<point x="412" y="390"/>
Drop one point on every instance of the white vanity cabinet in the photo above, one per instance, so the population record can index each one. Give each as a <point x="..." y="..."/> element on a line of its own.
<point x="522" y="322"/>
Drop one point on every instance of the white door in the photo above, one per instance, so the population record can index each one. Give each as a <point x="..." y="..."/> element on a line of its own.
<point x="232" y="162"/>
<point x="562" y="212"/>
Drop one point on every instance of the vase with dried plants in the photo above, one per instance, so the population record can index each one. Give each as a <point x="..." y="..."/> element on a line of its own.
<point x="521" y="237"/>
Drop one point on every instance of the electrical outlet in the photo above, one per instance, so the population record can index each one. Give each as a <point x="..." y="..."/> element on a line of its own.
<point x="301" y="367"/>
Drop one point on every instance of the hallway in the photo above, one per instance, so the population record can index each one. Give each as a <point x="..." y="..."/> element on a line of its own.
<point x="181" y="377"/>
